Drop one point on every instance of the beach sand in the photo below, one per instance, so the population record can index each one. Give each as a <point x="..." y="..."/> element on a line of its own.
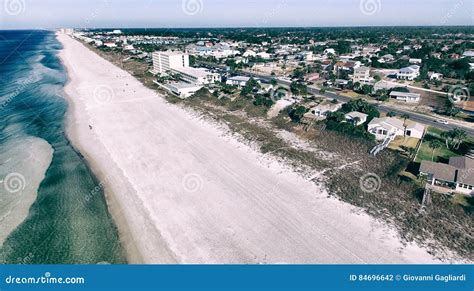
<point x="183" y="190"/>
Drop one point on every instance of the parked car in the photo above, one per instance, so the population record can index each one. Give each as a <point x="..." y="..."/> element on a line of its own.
<point x="442" y="121"/>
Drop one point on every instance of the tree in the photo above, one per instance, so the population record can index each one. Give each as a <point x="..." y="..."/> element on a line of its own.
<point x="434" y="145"/>
<point x="405" y="117"/>
<point x="296" y="114"/>
<point x="367" y="89"/>
<point x="446" y="135"/>
<point x="274" y="82"/>
<point x="391" y="114"/>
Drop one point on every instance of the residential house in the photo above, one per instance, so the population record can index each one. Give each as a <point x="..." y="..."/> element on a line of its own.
<point x="239" y="81"/>
<point x="264" y="55"/>
<point x="329" y="51"/>
<point x="405" y="96"/>
<point x="384" y="127"/>
<point x="346" y="66"/>
<point x="457" y="175"/>
<point x="311" y="77"/>
<point x="468" y="54"/>
<point x="249" y="53"/>
<point x="414" y="61"/>
<point x="435" y="76"/>
<point x="386" y="58"/>
<point x="319" y="111"/>
<point x="356" y="117"/>
<point x="409" y="73"/>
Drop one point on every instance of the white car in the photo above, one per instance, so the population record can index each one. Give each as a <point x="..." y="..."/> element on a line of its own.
<point x="442" y="121"/>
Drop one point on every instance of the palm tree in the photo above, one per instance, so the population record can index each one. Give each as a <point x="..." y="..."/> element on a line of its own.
<point x="355" y="121"/>
<point x="434" y="144"/>
<point x="460" y="137"/>
<point x="405" y="117"/>
<point x="446" y="136"/>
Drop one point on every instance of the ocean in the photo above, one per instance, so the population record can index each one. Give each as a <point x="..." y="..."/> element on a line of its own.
<point x="52" y="209"/>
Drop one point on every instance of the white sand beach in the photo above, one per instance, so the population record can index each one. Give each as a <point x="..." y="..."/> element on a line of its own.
<point x="182" y="190"/>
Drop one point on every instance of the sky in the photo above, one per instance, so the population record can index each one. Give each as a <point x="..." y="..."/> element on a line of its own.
<point x="21" y="14"/>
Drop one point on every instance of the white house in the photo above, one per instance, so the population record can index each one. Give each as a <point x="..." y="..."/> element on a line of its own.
<point x="386" y="126"/>
<point x="110" y="44"/>
<point x="409" y="73"/>
<point x="329" y="51"/>
<point x="239" y="81"/>
<point x="249" y="53"/>
<point x="183" y="90"/>
<point x="405" y="96"/>
<point x="386" y="58"/>
<point x="164" y="61"/>
<point x="360" y="117"/>
<point x="469" y="54"/>
<point x="414" y="129"/>
<point x="435" y="76"/>
<point x="198" y="76"/>
<point x="264" y="55"/>
<point x="320" y="111"/>
<point x="414" y="61"/>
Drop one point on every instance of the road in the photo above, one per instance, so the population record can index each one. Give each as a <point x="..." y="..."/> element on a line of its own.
<point x="418" y="117"/>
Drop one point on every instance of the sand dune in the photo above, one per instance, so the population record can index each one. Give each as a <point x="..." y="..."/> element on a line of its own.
<point x="182" y="190"/>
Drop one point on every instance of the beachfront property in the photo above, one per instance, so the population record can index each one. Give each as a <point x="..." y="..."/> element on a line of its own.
<point x="383" y="127"/>
<point x="183" y="90"/>
<point x="200" y="76"/>
<point x="164" y="61"/>
<point x="457" y="175"/>
<point x="405" y="96"/>
<point x="357" y="118"/>
<point x="319" y="111"/>
<point x="409" y="73"/>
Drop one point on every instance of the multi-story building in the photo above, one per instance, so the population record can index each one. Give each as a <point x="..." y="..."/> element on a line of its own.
<point x="164" y="61"/>
<point x="409" y="73"/>
<point x="198" y="76"/>
<point x="362" y="75"/>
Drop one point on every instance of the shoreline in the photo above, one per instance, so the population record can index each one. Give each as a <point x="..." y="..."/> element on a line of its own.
<point x="132" y="253"/>
<point x="237" y="243"/>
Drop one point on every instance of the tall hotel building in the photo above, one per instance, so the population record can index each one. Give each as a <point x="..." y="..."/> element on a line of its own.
<point x="165" y="61"/>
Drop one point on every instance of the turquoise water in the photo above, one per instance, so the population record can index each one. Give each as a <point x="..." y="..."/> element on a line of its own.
<point x="69" y="221"/>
